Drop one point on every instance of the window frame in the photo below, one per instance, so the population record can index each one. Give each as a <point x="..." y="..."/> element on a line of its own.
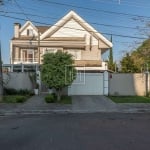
<point x="29" y="32"/>
<point x="76" y="53"/>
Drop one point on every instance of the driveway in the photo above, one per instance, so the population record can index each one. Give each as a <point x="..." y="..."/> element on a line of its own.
<point x="93" y="103"/>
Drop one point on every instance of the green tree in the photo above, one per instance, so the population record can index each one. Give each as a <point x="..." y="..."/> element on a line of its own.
<point x="111" y="64"/>
<point x="127" y="64"/>
<point x="138" y="59"/>
<point x="141" y="55"/>
<point x="57" y="71"/>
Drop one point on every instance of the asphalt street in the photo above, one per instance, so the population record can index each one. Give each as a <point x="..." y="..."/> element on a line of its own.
<point x="97" y="131"/>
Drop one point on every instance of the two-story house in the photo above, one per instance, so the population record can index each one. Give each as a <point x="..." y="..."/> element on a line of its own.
<point x="70" y="34"/>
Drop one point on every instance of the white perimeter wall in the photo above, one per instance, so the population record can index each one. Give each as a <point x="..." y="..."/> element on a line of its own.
<point x="127" y="84"/>
<point x="17" y="80"/>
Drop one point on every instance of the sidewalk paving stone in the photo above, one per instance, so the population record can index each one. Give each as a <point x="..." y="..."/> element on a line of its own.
<point x="80" y="104"/>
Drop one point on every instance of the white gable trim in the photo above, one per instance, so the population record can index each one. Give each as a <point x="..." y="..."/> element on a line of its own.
<point x="62" y="21"/>
<point x="26" y="25"/>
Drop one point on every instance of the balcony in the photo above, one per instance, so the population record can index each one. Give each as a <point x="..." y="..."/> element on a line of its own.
<point x="88" y="63"/>
<point x="25" y="61"/>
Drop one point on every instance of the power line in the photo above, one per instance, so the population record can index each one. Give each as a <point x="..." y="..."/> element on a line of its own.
<point x="39" y="8"/>
<point x="131" y="3"/>
<point x="137" y="27"/>
<point x="107" y="25"/>
<point x="125" y="27"/>
<point x="119" y="35"/>
<point x="124" y="3"/>
<point x="93" y="9"/>
<point x="17" y="4"/>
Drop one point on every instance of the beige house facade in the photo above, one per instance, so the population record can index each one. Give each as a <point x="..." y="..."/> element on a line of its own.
<point x="70" y="34"/>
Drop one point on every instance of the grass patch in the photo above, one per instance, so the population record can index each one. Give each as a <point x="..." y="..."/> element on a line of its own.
<point x="16" y="96"/>
<point x="52" y="98"/>
<point x="130" y="99"/>
<point x="14" y="99"/>
<point x="65" y="100"/>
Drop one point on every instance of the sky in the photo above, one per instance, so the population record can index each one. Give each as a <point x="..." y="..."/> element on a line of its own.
<point x="125" y="20"/>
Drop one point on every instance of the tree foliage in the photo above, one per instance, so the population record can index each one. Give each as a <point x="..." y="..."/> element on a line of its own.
<point x="142" y="55"/>
<point x="111" y="64"/>
<point x="58" y="71"/>
<point x="138" y="59"/>
<point x="127" y="64"/>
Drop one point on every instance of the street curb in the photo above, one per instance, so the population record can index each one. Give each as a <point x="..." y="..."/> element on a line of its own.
<point x="32" y="112"/>
<point x="40" y="112"/>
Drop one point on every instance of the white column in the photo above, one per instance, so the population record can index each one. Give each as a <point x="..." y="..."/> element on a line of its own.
<point x="11" y="51"/>
<point x="33" y="59"/>
<point x="17" y="54"/>
<point x="21" y="55"/>
<point x="22" y="67"/>
<point x="27" y="55"/>
<point x="11" y="68"/>
<point x="105" y="81"/>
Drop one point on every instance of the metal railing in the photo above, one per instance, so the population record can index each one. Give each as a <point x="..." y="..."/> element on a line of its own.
<point x="25" y="60"/>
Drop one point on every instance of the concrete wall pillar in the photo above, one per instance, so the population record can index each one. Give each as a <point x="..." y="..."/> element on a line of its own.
<point x="105" y="79"/>
<point x="17" y="56"/>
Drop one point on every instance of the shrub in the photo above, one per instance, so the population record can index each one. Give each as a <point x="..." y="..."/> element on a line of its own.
<point x="20" y="99"/>
<point x="148" y="94"/>
<point x="11" y="91"/>
<point x="55" y="96"/>
<point x="14" y="99"/>
<point x="50" y="98"/>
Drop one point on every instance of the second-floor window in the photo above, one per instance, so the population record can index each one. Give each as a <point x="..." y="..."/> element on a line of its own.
<point x="76" y="54"/>
<point x="27" y="55"/>
<point x="50" y="50"/>
<point x="29" y="32"/>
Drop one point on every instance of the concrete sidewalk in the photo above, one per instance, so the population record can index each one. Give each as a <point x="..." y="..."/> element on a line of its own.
<point x="34" y="105"/>
<point x="80" y="104"/>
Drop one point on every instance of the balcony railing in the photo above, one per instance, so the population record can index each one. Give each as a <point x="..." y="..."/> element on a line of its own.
<point x="25" y="60"/>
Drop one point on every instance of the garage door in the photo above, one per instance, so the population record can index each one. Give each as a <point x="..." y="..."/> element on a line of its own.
<point x="87" y="84"/>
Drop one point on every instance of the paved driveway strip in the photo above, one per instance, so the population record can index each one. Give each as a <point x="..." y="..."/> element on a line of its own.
<point x="93" y="104"/>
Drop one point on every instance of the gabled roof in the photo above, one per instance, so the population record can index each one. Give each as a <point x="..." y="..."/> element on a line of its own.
<point x="82" y="22"/>
<point x="42" y="29"/>
<point x="26" y="24"/>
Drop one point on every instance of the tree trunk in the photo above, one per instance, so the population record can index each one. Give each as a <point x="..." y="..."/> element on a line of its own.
<point x="58" y="95"/>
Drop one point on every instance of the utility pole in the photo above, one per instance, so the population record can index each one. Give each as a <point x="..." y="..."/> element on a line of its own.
<point x="39" y="81"/>
<point x="39" y="48"/>
<point x="1" y="77"/>
<point x="115" y="67"/>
